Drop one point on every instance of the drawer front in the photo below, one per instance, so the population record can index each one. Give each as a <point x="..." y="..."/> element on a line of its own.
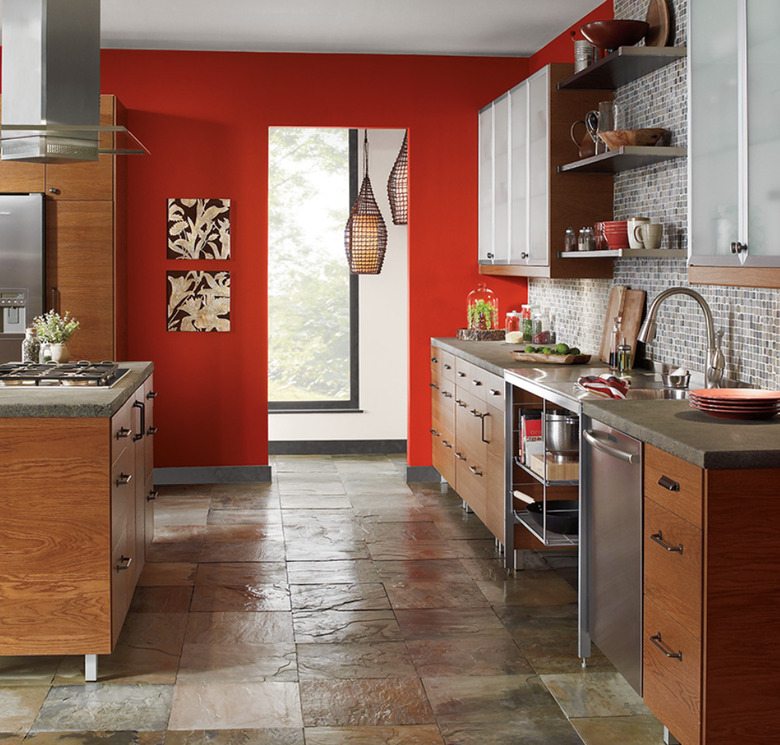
<point x="122" y="494"/>
<point x="487" y="386"/>
<point x="471" y="423"/>
<point x="673" y="566"/>
<point x="674" y="484"/>
<point x="671" y="688"/>
<point x="443" y="363"/>
<point x="443" y="401"/>
<point x="471" y="479"/>
<point x="121" y="430"/>
<point x="121" y="588"/>
<point x="443" y="452"/>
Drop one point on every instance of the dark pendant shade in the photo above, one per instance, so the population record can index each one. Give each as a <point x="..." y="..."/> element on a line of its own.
<point x="365" y="236"/>
<point x="398" y="187"/>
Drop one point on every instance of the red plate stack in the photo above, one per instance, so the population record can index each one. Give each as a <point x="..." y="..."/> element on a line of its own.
<point x="736" y="403"/>
<point x="616" y="233"/>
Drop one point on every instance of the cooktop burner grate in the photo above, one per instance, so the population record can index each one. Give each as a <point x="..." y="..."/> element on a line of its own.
<point x="60" y="373"/>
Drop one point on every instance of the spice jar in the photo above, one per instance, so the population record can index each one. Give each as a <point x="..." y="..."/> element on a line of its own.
<point x="31" y="346"/>
<point x="586" y="240"/>
<point x="482" y="309"/>
<point x="526" y="320"/>
<point x="540" y="322"/>
<point x="570" y="241"/>
<point x="513" y="327"/>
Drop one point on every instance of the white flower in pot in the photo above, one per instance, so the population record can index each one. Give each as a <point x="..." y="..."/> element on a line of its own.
<point x="54" y="329"/>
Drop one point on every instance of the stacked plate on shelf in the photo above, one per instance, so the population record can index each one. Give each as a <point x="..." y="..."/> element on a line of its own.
<point x="736" y="403"/>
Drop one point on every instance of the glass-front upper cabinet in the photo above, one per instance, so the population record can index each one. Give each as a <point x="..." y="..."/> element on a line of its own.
<point x="734" y="125"/>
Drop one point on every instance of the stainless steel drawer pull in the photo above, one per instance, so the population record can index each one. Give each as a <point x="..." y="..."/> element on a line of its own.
<point x="433" y="385"/>
<point x="494" y="392"/>
<point x="460" y="403"/>
<point x="659" y="539"/>
<point x="459" y="456"/>
<point x="151" y="430"/>
<point x="125" y="562"/>
<point x="434" y="359"/>
<point x="668" y="483"/>
<point x="123" y="433"/>
<point x="657" y="641"/>
<point x="461" y="375"/>
<point x="152" y="394"/>
<point x="475" y="471"/>
<point x="446" y="394"/>
<point x="446" y="444"/>
<point x="152" y="495"/>
<point x="447" y="367"/>
<point x="435" y="433"/>
<point x="476" y="413"/>
<point x="476" y="382"/>
<point x="123" y="478"/>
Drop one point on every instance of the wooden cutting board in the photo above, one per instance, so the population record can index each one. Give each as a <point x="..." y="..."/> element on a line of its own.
<point x="629" y="304"/>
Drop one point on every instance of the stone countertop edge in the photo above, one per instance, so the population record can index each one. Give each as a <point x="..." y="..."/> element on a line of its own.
<point x="75" y="402"/>
<point x="705" y="441"/>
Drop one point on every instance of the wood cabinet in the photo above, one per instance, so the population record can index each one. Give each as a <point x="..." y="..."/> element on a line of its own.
<point x="711" y="647"/>
<point x="85" y="241"/>
<point x="73" y="529"/>
<point x="734" y="143"/>
<point x="525" y="204"/>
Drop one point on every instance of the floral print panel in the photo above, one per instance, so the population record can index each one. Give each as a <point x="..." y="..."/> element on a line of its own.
<point x="198" y="229"/>
<point x="198" y="301"/>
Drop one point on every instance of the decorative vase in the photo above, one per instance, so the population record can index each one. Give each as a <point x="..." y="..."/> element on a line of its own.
<point x="60" y="352"/>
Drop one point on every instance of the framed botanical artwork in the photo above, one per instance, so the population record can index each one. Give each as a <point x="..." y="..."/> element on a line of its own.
<point x="198" y="301"/>
<point x="198" y="229"/>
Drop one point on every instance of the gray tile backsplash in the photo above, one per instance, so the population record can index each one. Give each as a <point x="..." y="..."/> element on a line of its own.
<point x="750" y="318"/>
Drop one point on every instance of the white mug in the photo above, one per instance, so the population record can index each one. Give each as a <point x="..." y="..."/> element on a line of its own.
<point x="651" y="234"/>
<point x="635" y="240"/>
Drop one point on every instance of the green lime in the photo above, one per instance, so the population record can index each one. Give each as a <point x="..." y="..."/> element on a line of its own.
<point x="562" y="348"/>
<point x="574" y="350"/>
<point x="547" y="350"/>
<point x="530" y="349"/>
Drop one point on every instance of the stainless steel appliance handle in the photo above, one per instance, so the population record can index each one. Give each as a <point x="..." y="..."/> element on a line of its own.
<point x="599" y="443"/>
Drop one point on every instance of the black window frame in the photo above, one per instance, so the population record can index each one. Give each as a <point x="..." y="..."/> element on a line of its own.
<point x="352" y="405"/>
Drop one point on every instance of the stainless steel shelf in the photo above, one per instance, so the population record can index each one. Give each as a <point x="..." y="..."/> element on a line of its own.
<point x="545" y="536"/>
<point x="622" y="66"/>
<point x="627" y="253"/>
<point x="623" y="159"/>
<point x="541" y="479"/>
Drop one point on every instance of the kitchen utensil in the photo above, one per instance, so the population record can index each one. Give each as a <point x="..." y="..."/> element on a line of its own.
<point x="630" y="305"/>
<point x="553" y="359"/>
<point x="617" y="138"/>
<point x="584" y="54"/>
<point x="635" y="240"/>
<point x="658" y="20"/>
<point x="611" y="34"/>
<point x="586" y="147"/>
<point x="562" y="515"/>
<point x="608" y="117"/>
<point x="601" y="240"/>
<point x="677" y="381"/>
<point x="651" y="234"/>
<point x="561" y="432"/>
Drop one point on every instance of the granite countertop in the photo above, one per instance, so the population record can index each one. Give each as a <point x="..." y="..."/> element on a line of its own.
<point x="671" y="425"/>
<point x="73" y="401"/>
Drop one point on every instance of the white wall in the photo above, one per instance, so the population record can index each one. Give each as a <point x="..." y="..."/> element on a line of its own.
<point x="383" y="329"/>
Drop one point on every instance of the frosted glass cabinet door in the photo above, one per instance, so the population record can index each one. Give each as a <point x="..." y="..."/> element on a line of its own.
<point x="763" y="115"/>
<point x="501" y="180"/>
<point x="486" y="185"/>
<point x="714" y="117"/>
<point x="538" y="167"/>
<point x="518" y="211"/>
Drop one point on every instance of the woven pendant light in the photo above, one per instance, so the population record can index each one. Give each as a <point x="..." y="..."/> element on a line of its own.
<point x="365" y="236"/>
<point x="398" y="187"/>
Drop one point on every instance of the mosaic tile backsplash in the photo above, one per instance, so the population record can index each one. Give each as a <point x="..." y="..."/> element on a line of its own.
<point x="750" y="318"/>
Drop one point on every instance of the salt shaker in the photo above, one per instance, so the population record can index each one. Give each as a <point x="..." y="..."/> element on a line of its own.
<point x="570" y="241"/>
<point x="586" y="240"/>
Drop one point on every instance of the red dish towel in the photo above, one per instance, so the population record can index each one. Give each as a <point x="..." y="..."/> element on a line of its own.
<point x="606" y="386"/>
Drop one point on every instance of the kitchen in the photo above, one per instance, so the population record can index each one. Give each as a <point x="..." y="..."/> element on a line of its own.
<point x="439" y="111"/>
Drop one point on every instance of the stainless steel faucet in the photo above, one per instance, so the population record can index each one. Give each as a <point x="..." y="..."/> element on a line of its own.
<point x="715" y="361"/>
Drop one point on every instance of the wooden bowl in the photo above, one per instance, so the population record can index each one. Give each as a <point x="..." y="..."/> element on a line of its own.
<point x="614" y="33"/>
<point x="617" y="138"/>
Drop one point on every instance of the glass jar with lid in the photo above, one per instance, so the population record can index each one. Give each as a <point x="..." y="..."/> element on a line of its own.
<point x="513" y="332"/>
<point x="586" y="240"/>
<point x="527" y="328"/>
<point x="482" y="309"/>
<point x="31" y="346"/>
<point x="540" y="322"/>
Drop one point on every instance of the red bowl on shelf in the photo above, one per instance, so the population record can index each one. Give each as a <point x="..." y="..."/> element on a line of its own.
<point x="616" y="234"/>
<point x="612" y="34"/>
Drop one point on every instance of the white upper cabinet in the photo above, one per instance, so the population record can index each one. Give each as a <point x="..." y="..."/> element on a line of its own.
<point x="525" y="205"/>
<point x="734" y="124"/>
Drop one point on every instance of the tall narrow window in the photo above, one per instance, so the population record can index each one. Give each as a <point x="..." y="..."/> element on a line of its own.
<point x="312" y="299"/>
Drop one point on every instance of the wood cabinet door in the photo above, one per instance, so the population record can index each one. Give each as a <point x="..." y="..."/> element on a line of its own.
<point x="80" y="273"/>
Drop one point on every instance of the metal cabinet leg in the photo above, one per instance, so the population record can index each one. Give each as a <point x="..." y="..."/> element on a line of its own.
<point x="90" y="668"/>
<point x="669" y="738"/>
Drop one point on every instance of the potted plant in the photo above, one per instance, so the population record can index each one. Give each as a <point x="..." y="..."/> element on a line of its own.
<point x="55" y="330"/>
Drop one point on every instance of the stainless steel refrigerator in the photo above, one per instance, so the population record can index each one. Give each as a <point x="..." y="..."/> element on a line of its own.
<point x="22" y="269"/>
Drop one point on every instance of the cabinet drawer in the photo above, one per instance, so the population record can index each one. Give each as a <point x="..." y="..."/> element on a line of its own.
<point x="443" y="401"/>
<point x="471" y="480"/>
<point x="121" y="430"/>
<point x="122" y="494"/>
<point x="675" y="484"/>
<point x="443" y="363"/>
<point x="121" y="586"/>
<point x="471" y="422"/>
<point x="443" y="452"/>
<point x="671" y="687"/>
<point x="673" y="571"/>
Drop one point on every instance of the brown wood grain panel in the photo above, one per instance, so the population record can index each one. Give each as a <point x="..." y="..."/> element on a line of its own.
<point x="80" y="265"/>
<point x="121" y="589"/>
<point x="742" y="601"/>
<point x="121" y="299"/>
<point x="55" y="524"/>
<point x="734" y="276"/>
<point x="469" y="423"/>
<point x="443" y="401"/>
<point x="447" y="365"/>
<point x="687" y="501"/>
<point x="495" y="501"/>
<point x="443" y="452"/>
<point x="673" y="580"/>
<point x="472" y="484"/>
<point x="672" y="688"/>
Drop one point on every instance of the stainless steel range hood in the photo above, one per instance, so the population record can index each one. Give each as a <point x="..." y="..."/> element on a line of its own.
<point x="51" y="82"/>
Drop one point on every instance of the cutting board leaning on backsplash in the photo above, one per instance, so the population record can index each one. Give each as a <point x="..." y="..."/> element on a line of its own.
<point x="630" y="305"/>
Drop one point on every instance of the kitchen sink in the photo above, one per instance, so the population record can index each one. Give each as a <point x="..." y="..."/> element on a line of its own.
<point x="654" y="394"/>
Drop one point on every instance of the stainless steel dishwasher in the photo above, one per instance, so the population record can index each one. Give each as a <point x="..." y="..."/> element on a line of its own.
<point x="611" y="548"/>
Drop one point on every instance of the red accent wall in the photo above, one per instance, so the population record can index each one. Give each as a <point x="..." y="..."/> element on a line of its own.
<point x="204" y="116"/>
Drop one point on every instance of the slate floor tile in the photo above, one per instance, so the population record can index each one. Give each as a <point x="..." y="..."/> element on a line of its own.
<point x="19" y="706"/>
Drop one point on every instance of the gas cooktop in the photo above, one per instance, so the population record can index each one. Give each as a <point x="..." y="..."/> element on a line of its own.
<point x="52" y="374"/>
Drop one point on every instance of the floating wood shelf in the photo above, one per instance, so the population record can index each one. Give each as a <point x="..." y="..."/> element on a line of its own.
<point x="623" y="159"/>
<point x="627" y="253"/>
<point x="622" y="66"/>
